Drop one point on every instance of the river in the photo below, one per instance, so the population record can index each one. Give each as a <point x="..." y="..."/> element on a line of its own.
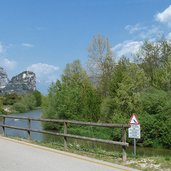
<point x="48" y="138"/>
<point x="23" y="124"/>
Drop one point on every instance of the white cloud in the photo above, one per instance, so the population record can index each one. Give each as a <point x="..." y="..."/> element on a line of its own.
<point x="7" y="63"/>
<point x="152" y="32"/>
<point x="165" y="16"/>
<point x="28" y="45"/>
<point x="145" y="32"/>
<point x="127" y="48"/>
<point x="134" y="28"/>
<point x="45" y="73"/>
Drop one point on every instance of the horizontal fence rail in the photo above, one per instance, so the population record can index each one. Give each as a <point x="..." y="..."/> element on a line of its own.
<point x="65" y="135"/>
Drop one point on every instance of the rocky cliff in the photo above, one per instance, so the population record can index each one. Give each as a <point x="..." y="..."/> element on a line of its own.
<point x="3" y="78"/>
<point x="21" y="83"/>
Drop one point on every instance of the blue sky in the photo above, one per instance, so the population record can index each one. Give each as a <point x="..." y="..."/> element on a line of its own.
<point x="45" y="35"/>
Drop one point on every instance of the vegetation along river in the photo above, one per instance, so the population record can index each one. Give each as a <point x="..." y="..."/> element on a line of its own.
<point x="49" y="138"/>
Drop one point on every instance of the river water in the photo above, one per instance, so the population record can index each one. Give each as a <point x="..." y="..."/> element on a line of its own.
<point x="24" y="124"/>
<point x="48" y="138"/>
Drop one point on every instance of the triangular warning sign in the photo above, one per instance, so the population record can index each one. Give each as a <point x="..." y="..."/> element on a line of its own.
<point x="134" y="120"/>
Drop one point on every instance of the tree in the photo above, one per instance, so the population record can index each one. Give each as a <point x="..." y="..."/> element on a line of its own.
<point x="73" y="97"/>
<point x="79" y="95"/>
<point x="154" y="58"/>
<point x="38" y="98"/>
<point x="100" y="63"/>
<point x="1" y="106"/>
<point x="128" y="82"/>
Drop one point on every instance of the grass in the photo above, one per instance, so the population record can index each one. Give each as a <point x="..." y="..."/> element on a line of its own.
<point x="155" y="163"/>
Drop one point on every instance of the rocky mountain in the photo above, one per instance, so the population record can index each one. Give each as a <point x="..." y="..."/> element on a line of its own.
<point x="21" y="83"/>
<point x="3" y="78"/>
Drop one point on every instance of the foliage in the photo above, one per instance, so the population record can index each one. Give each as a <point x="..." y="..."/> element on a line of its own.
<point x="1" y="106"/>
<point x="10" y="99"/>
<point x="26" y="103"/>
<point x="156" y="120"/>
<point x="20" y="107"/>
<point x="73" y="97"/>
<point x="38" y="98"/>
<point x="111" y="92"/>
<point x="155" y="58"/>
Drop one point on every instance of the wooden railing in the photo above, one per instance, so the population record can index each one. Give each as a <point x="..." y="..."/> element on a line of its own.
<point x="65" y="135"/>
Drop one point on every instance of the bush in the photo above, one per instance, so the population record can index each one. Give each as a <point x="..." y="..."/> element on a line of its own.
<point x="20" y="107"/>
<point x="26" y="103"/>
<point x="10" y="99"/>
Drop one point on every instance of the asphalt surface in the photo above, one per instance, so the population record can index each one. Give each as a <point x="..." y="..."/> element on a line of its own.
<point x="21" y="156"/>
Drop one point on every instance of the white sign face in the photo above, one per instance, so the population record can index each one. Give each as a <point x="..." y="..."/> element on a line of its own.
<point x="134" y="131"/>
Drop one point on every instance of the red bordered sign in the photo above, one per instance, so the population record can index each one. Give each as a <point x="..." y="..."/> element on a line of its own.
<point x="134" y="130"/>
<point x="134" y="120"/>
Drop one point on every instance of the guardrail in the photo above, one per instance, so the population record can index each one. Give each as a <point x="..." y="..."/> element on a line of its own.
<point x="65" y="135"/>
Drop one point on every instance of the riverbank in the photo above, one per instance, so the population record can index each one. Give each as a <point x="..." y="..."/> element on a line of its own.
<point x="8" y="110"/>
<point x="147" y="158"/>
<point x="146" y="163"/>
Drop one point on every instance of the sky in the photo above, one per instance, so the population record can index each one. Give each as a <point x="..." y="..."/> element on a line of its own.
<point x="45" y="35"/>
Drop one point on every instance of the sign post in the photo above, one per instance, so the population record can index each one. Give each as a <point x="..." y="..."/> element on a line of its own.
<point x="134" y="148"/>
<point x="134" y="130"/>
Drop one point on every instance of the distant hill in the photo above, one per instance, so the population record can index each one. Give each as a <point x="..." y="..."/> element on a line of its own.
<point x="20" y="84"/>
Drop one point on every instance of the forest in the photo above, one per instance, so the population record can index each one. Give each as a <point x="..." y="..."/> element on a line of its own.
<point x="110" y="90"/>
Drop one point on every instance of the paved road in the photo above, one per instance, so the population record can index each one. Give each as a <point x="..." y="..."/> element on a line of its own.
<point x="21" y="156"/>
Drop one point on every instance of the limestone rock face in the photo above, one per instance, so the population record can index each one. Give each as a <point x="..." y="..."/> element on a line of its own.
<point x="3" y="78"/>
<point x="21" y="83"/>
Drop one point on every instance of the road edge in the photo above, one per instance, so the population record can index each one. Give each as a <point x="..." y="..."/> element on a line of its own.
<point x="77" y="156"/>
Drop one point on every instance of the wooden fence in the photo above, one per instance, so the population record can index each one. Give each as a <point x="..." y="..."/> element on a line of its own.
<point x="65" y="135"/>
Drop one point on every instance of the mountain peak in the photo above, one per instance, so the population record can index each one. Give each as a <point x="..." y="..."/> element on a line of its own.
<point x="21" y="83"/>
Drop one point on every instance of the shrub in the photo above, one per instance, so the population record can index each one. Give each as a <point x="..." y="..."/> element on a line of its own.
<point x="20" y="107"/>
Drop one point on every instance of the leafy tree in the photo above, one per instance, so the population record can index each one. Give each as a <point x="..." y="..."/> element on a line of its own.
<point x="154" y="100"/>
<point x="10" y="98"/>
<point x="162" y="77"/>
<point x="74" y="97"/>
<point x="106" y="109"/>
<point x="156" y="118"/>
<point x="154" y="58"/>
<point x="1" y="106"/>
<point x="38" y="97"/>
<point x="129" y="81"/>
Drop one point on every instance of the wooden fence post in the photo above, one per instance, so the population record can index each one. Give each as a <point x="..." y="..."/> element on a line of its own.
<point x="65" y="138"/>
<point x="29" y="127"/>
<point x="3" y="128"/>
<point x="123" y="147"/>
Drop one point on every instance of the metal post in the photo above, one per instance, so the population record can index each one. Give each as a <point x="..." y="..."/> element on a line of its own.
<point x="3" y="127"/>
<point x="123" y="147"/>
<point x="134" y="148"/>
<point x="65" y="138"/>
<point x="29" y="127"/>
